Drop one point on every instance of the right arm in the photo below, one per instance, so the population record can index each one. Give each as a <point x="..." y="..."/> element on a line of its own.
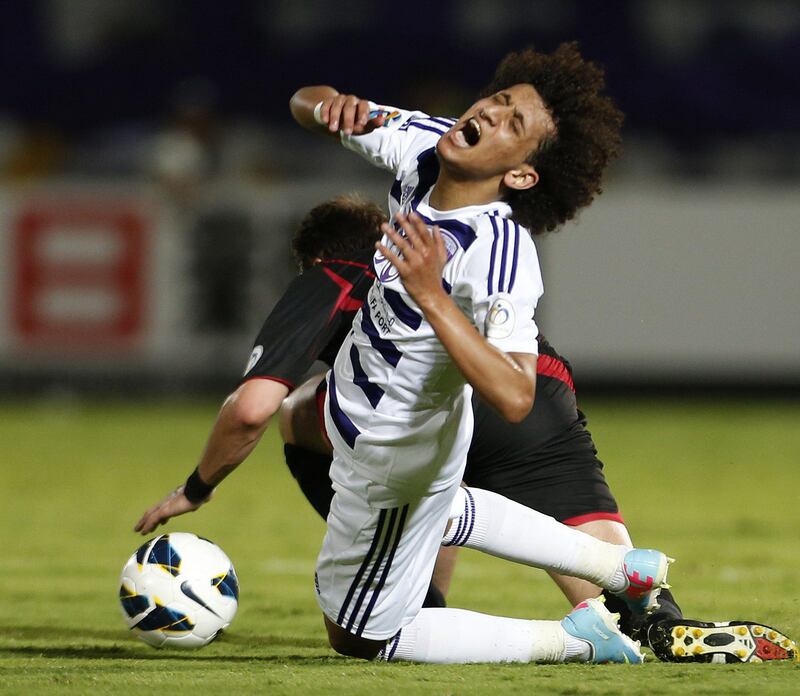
<point x="344" y="113"/>
<point x="241" y="422"/>
<point x="287" y="345"/>
<point x="506" y="381"/>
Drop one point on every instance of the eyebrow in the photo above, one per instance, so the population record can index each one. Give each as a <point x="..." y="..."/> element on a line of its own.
<point x="517" y="114"/>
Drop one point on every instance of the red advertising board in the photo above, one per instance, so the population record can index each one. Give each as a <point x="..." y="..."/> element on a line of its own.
<point x="79" y="272"/>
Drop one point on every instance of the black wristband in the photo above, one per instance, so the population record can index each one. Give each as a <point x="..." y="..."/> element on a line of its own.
<point x="195" y="489"/>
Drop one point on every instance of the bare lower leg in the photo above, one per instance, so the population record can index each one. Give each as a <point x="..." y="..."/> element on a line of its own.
<point x="444" y="568"/>
<point x="575" y="589"/>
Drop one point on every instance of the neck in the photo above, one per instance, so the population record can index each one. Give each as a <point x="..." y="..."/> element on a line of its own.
<point x="449" y="193"/>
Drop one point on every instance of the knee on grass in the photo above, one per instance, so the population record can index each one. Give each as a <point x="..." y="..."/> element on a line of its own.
<point x="347" y="644"/>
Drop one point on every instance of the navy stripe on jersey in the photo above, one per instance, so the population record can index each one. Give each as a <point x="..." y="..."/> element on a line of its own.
<point x="372" y="391"/>
<point x="365" y="588"/>
<point x="385" y="347"/>
<point x="364" y="565"/>
<point x="503" y="259"/>
<point x="427" y="171"/>
<point x="396" y="190"/>
<point x="347" y="429"/>
<point x="460" y="230"/>
<point x="402" y="311"/>
<point x="439" y="130"/>
<point x="377" y="561"/>
<point x="496" y="232"/>
<point x="511" y="234"/>
<point x="435" y="124"/>
<point x="503" y="254"/>
<point x="517" y="233"/>
<point x="385" y="574"/>
<point x="443" y="121"/>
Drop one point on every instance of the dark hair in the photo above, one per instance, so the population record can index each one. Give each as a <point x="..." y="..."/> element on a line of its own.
<point x="335" y="228"/>
<point x="570" y="161"/>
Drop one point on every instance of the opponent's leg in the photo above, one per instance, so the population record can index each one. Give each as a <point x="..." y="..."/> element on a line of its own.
<point x="496" y="525"/>
<point x="577" y="590"/>
<point x="634" y="625"/>
<point x="310" y="470"/>
<point x="443" y="571"/>
<point x="672" y="637"/>
<point x="687" y="640"/>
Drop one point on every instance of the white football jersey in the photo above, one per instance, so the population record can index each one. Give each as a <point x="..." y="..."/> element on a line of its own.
<point x="393" y="383"/>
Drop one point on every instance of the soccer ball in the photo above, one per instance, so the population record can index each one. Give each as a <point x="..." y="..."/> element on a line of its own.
<point x="179" y="591"/>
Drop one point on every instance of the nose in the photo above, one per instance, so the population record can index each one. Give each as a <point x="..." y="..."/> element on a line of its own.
<point x="493" y="113"/>
<point x="488" y="114"/>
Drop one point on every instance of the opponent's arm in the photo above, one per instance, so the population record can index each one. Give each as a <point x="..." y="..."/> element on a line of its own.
<point x="338" y="112"/>
<point x="506" y="381"/>
<point x="241" y="422"/>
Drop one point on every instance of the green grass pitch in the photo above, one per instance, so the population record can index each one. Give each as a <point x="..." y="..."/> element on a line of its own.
<point x="715" y="484"/>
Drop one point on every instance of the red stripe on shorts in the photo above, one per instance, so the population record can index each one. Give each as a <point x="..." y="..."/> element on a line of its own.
<point x="591" y="517"/>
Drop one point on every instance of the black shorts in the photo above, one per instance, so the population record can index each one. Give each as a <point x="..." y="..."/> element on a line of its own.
<point x="548" y="462"/>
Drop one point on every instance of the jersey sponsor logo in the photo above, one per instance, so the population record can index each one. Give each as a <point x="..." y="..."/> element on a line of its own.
<point x="255" y="356"/>
<point x="380" y="312"/>
<point x="501" y="319"/>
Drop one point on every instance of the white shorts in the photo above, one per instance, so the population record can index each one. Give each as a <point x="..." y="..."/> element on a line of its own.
<point x="378" y="554"/>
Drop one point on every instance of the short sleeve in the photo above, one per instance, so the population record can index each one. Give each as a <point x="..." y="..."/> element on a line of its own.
<point x="389" y="145"/>
<point x="502" y="277"/>
<point x="309" y="321"/>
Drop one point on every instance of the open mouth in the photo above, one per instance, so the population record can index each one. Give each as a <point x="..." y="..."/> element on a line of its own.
<point x="469" y="134"/>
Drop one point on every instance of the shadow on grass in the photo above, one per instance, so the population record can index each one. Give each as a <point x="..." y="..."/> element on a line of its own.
<point x="116" y="652"/>
<point x="138" y="651"/>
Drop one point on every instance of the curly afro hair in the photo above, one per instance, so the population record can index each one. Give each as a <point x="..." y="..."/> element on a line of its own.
<point x="570" y="162"/>
<point x="335" y="228"/>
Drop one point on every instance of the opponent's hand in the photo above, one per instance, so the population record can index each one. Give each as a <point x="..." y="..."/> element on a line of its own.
<point x="176" y="503"/>
<point x="419" y="258"/>
<point x="349" y="114"/>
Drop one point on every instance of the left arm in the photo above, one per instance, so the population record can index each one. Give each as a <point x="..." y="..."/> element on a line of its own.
<point x="506" y="381"/>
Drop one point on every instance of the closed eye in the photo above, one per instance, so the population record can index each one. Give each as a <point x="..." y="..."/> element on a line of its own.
<point x="518" y="120"/>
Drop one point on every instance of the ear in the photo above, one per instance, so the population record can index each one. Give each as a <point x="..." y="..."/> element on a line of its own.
<point x="520" y="178"/>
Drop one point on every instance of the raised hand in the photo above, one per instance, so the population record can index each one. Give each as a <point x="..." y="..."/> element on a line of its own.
<point x="349" y="114"/>
<point x="419" y="257"/>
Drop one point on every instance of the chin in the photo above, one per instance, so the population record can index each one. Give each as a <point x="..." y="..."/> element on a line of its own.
<point x="450" y="157"/>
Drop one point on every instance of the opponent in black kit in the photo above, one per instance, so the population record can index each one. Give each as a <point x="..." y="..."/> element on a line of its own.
<point x="548" y="462"/>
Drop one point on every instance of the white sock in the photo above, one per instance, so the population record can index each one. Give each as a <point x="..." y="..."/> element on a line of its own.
<point x="458" y="636"/>
<point x="498" y="526"/>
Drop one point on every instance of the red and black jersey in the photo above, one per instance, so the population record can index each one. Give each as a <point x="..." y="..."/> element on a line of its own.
<point x="548" y="462"/>
<point x="311" y="319"/>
